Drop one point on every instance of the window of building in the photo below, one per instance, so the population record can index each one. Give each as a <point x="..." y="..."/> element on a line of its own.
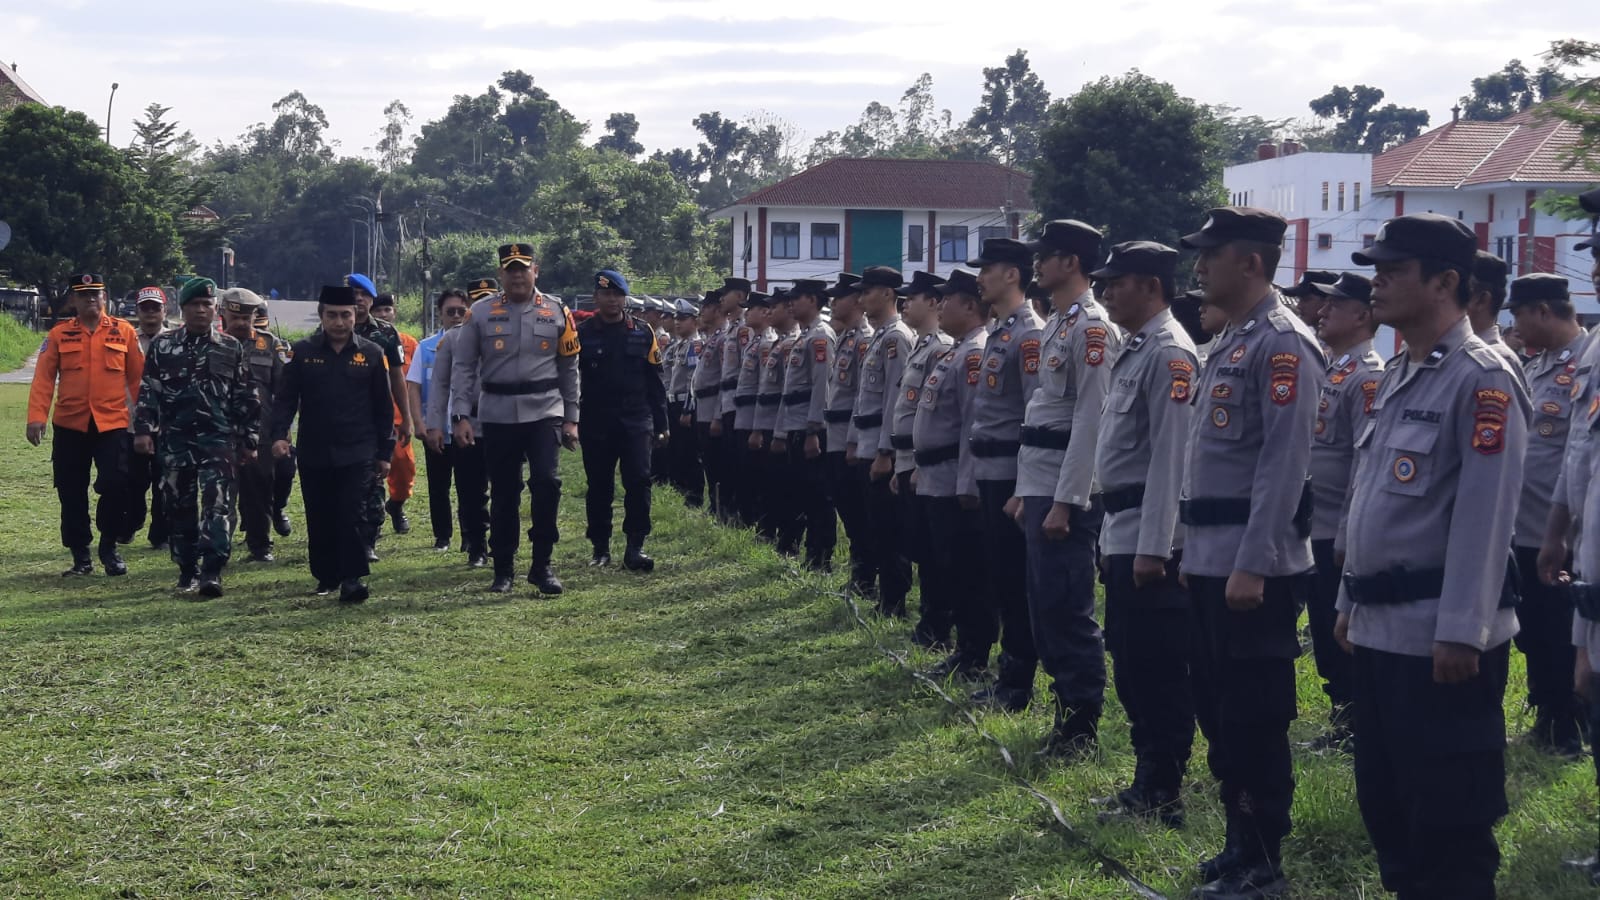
<point x="1506" y="249"/>
<point x="825" y="241"/>
<point x="785" y="240"/>
<point x="990" y="232"/>
<point x="1324" y="196"/>
<point x="953" y="243"/>
<point x="749" y="242"/>
<point x="1355" y="196"/>
<point x="1324" y="241"/>
<point x="1367" y="240"/>
<point x="914" y="241"/>
<point x="1341" y="196"/>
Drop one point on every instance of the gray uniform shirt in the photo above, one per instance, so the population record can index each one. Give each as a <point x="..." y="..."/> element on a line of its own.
<point x="507" y="343"/>
<point x="927" y="348"/>
<point x="944" y="418"/>
<point x="441" y="391"/>
<point x="1349" y="388"/>
<point x="736" y="339"/>
<point x="841" y="399"/>
<point x="684" y="360"/>
<point x="1580" y="378"/>
<point x="1586" y="556"/>
<point x="1438" y="473"/>
<point x="1551" y="402"/>
<point x="1491" y="336"/>
<point x="769" y="392"/>
<point x="748" y="385"/>
<point x="1251" y="438"/>
<point x="805" y="385"/>
<point x="1142" y="435"/>
<point x="881" y="366"/>
<point x="1010" y="375"/>
<point x="706" y="383"/>
<point x="1078" y="347"/>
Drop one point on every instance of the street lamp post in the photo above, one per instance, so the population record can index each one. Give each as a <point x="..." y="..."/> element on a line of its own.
<point x="109" y="100"/>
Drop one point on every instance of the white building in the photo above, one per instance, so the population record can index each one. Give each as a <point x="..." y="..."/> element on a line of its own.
<point x="847" y="214"/>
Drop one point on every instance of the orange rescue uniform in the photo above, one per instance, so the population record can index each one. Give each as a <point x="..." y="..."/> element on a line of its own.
<point x="98" y="371"/>
<point x="403" y="465"/>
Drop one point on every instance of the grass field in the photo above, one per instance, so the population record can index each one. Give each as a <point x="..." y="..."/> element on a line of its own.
<point x="721" y="728"/>
<point x="17" y="341"/>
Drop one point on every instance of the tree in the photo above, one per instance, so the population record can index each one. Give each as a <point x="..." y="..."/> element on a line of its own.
<point x="74" y="203"/>
<point x="621" y="129"/>
<point x="295" y="135"/>
<point x="916" y="128"/>
<point x="393" y="149"/>
<point x="1158" y="177"/>
<point x="1580" y="108"/>
<point x="1360" y="126"/>
<point x="1242" y="136"/>
<point x="166" y="159"/>
<point x="1012" y="111"/>
<point x="1500" y="95"/>
<point x="736" y="158"/>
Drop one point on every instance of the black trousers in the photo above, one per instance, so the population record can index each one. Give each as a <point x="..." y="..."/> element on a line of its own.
<point x="333" y="497"/>
<point x="911" y="527"/>
<point x="472" y="495"/>
<point x="1244" y="687"/>
<point x="439" y="471"/>
<point x="812" y="498"/>
<point x="1545" y="615"/>
<point x="1061" y="601"/>
<point x="684" y="456"/>
<point x="72" y="453"/>
<point x="956" y="583"/>
<point x="605" y="445"/>
<point x="661" y="457"/>
<point x="256" y="483"/>
<point x="784" y="511"/>
<point x="506" y="447"/>
<point x="144" y="481"/>
<point x="1333" y="664"/>
<point x="708" y="448"/>
<point x="283" y="480"/>
<point x="848" y="485"/>
<point x="1005" y="552"/>
<point x="730" y="477"/>
<point x="752" y="468"/>
<point x="1148" y="634"/>
<point x="885" y="542"/>
<point x="1593" y="712"/>
<point x="1430" y="772"/>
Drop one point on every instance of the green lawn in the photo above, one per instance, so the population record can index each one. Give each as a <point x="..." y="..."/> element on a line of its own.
<point x="722" y="728"/>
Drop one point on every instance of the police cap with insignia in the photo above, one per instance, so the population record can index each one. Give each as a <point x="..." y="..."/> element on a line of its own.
<point x="846" y="285"/>
<point x="518" y="254"/>
<point x="757" y="298"/>
<point x="1227" y="224"/>
<point x="1068" y="237"/>
<point x="1350" y="286"/>
<point x="241" y="301"/>
<point x="337" y="295"/>
<point x="1312" y="282"/>
<point x="735" y="284"/>
<point x="361" y="283"/>
<point x="382" y="300"/>
<point x="88" y="282"/>
<point x="261" y="319"/>
<point x="881" y="276"/>
<point x="962" y="282"/>
<point x="809" y="287"/>
<point x="1539" y="287"/>
<point x="151" y="295"/>
<point x="633" y="304"/>
<point x="483" y="287"/>
<point x="1004" y="251"/>
<point x="684" y="309"/>
<point x="1422" y="236"/>
<point x="923" y="283"/>
<point x="610" y="280"/>
<point x="197" y="289"/>
<point x="1139" y="258"/>
<point x="781" y="295"/>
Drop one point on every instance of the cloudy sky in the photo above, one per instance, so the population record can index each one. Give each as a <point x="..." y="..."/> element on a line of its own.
<point x="816" y="64"/>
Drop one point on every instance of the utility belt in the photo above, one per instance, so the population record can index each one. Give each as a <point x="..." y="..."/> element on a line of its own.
<point x="798" y="396"/>
<point x="901" y="442"/>
<point x="938" y="455"/>
<point x="1122" y="499"/>
<point x="769" y="399"/>
<point x="985" y="448"/>
<point x="871" y="420"/>
<point x="521" y="388"/>
<point x="703" y="393"/>
<point x="1205" y="511"/>
<point x="835" y="416"/>
<point x="1033" y="436"/>
<point x="1402" y="585"/>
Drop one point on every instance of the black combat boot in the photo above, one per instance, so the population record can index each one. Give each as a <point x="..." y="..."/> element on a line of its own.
<point x="601" y="555"/>
<point x="541" y="576"/>
<point x="211" y="584"/>
<point x="111" y="559"/>
<point x="188" y="580"/>
<point x="635" y="560"/>
<point x="960" y="666"/>
<point x="397" y="516"/>
<point x="353" y="591"/>
<point x="1075" y="734"/>
<point x="281" y="524"/>
<point x="81" y="563"/>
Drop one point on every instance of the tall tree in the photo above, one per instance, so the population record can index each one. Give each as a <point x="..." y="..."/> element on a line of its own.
<point x="394" y="150"/>
<point x="1580" y="108"/>
<point x="736" y="158"/>
<point x="166" y="159"/>
<point x="1160" y="175"/>
<point x="1242" y="136"/>
<point x="1502" y="94"/>
<point x="1012" y="111"/>
<point x="295" y="134"/>
<point x="622" y="129"/>
<point x="1359" y="125"/>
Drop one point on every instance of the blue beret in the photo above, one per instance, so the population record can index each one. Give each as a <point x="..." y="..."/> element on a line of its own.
<point x="610" y="280"/>
<point x="362" y="282"/>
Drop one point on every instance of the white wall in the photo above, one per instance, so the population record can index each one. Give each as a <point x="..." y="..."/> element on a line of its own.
<point x="1291" y="186"/>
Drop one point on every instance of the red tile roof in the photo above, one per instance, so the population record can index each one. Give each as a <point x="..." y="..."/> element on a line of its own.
<point x="882" y="183"/>
<point x="1528" y="147"/>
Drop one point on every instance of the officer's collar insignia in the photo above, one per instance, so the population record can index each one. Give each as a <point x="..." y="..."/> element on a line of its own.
<point x="1011" y="320"/>
<point x="1436" y="355"/>
<point x="1137" y="341"/>
<point x="1565" y="355"/>
<point x="1248" y="327"/>
<point x="1074" y="309"/>
<point x="1341" y="360"/>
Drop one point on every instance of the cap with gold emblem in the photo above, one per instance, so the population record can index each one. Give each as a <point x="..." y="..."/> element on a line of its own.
<point x="516" y="255"/>
<point x="610" y="280"/>
<point x="88" y="282"/>
<point x="483" y="287"/>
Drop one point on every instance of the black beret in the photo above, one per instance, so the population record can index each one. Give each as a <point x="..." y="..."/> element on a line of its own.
<point x="1068" y="236"/>
<point x="518" y="254"/>
<point x="1537" y="288"/>
<point x="382" y="300"/>
<point x="1422" y="236"/>
<point x="1311" y="282"/>
<point x="923" y="283"/>
<point x="337" y="295"/>
<point x="1350" y="286"/>
<point x="881" y="276"/>
<point x="1005" y="251"/>
<point x="1226" y="224"/>
<point x="735" y="284"/>
<point x="1139" y="258"/>
<point x="1489" y="269"/>
<point x="961" y="282"/>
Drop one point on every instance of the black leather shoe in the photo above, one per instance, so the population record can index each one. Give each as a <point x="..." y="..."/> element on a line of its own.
<point x="1261" y="881"/>
<point x="1217" y="866"/>
<point x="1075" y="734"/>
<point x="635" y="559"/>
<point x="81" y="564"/>
<point x="544" y="578"/>
<point x="501" y="584"/>
<point x="187" y="582"/>
<point x="282" y="525"/>
<point x="600" y="557"/>
<point x="111" y="559"/>
<point x="324" y="588"/>
<point x="1137" y="804"/>
<point x="957" y="666"/>
<point x="441" y="544"/>
<point x="1001" y="697"/>
<point x="397" y="516"/>
<point x="353" y="591"/>
<point x="925" y="637"/>
<point x="211" y="585"/>
<point x="477" y="560"/>
<point x="372" y="554"/>
<point x="261" y="556"/>
<point x="1557" y="734"/>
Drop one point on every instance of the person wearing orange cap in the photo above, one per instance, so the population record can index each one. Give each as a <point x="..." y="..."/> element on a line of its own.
<point x="90" y="367"/>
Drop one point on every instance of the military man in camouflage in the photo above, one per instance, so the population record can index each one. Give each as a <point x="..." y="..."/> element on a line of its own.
<point x="265" y="357"/>
<point x="199" y="410"/>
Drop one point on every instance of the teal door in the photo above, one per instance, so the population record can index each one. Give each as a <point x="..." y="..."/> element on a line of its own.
<point x="877" y="238"/>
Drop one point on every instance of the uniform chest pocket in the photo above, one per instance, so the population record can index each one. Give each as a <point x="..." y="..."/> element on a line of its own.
<point x="930" y="389"/>
<point x="1408" y="452"/>
<point x="545" y="331"/>
<point x="221" y="365"/>
<point x="1224" y="420"/>
<point x="71" y="356"/>
<point x="116" y="357"/>
<point x="1126" y="428"/>
<point x="261" y="370"/>
<point x="994" y="370"/>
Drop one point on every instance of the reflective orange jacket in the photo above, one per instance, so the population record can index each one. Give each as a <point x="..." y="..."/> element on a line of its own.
<point x="98" y="371"/>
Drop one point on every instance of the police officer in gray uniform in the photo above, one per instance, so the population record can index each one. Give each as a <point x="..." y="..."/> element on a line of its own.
<point x="736" y="338"/>
<point x="705" y="390"/>
<point x="1053" y="499"/>
<point x="800" y="428"/>
<point x="1422" y="601"/>
<point x="1544" y="313"/>
<point x="1488" y="287"/>
<point x="1009" y="376"/>
<point x="1139" y="464"/>
<point x="773" y="520"/>
<point x="1247" y="549"/>
<point x="683" y="360"/>
<point x="1349" y="387"/>
<point x="520" y="350"/>
<point x="846" y="483"/>
<point x="867" y="449"/>
<point x="754" y="338"/>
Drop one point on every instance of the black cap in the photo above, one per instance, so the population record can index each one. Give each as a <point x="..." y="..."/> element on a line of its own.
<point x="1313" y="281"/>
<point x="1590" y="201"/>
<point x="337" y="295"/>
<point x="483" y="287"/>
<point x="923" y="283"/>
<point x="1489" y="269"/>
<point x="1068" y="236"/>
<point x="1006" y="251"/>
<point x="1226" y="224"/>
<point x="757" y="298"/>
<point x="713" y="297"/>
<point x="961" y="282"/>
<point x="1186" y="310"/>
<point x="1537" y="288"/>
<point x="735" y="284"/>
<point x="1139" y="258"/>
<point x="1422" y="236"/>
<point x="382" y="300"/>
<point x="809" y="287"/>
<point x="781" y="295"/>
<point x="845" y="286"/>
<point x="88" y="282"/>
<point x="516" y="255"/>
<point x="881" y="276"/>
<point x="1350" y="286"/>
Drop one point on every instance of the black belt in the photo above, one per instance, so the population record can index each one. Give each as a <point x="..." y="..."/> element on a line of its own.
<point x="1044" y="437"/>
<point x="520" y="388"/>
<point x="1396" y="586"/>
<point x="729" y="384"/>
<point x="798" y="396"/>
<point x="835" y="416"/>
<point x="703" y="393"/>
<point x="1205" y="511"/>
<point x="1122" y="499"/>
<point x="985" y="448"/>
<point x="871" y="420"/>
<point x="938" y="455"/>
<point x="1586" y="600"/>
<point x="680" y="398"/>
<point x="901" y="442"/>
<point x="769" y="399"/>
<point x="744" y="401"/>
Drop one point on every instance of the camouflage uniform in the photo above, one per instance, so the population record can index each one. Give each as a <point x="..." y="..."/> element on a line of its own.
<point x="265" y="356"/>
<point x="197" y="399"/>
<point x="386" y="336"/>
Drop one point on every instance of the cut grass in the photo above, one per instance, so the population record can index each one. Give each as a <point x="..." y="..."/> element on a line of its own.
<point x="17" y="343"/>
<point x="721" y="728"/>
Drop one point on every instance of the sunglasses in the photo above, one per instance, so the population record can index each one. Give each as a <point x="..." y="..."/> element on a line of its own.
<point x="455" y="311"/>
